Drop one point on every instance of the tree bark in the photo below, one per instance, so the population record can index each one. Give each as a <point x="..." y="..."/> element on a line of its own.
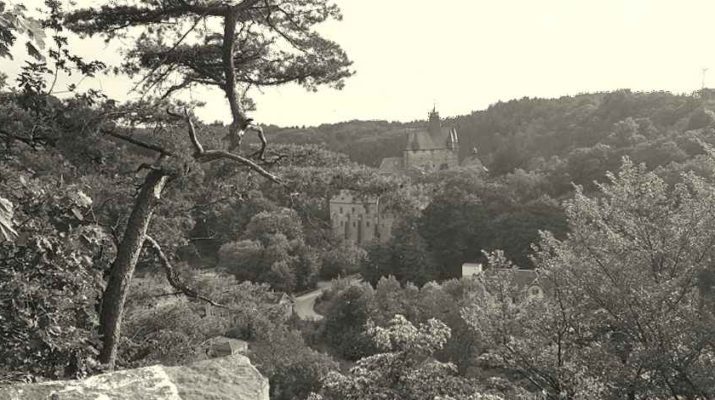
<point x="115" y="294"/>
<point x="238" y="123"/>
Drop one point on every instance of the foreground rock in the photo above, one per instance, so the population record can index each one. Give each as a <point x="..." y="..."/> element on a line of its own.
<point x="227" y="378"/>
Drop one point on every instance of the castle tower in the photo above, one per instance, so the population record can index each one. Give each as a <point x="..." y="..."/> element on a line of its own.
<point x="435" y="127"/>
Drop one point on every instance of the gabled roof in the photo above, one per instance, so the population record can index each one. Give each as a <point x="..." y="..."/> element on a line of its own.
<point x="420" y="140"/>
<point x="524" y="278"/>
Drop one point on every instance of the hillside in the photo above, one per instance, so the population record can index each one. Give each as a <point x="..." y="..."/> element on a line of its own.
<point x="654" y="127"/>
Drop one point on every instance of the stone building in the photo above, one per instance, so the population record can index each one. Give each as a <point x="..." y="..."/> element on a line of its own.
<point x="434" y="149"/>
<point x="359" y="219"/>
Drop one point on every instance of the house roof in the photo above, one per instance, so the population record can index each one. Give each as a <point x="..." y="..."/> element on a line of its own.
<point x="524" y="278"/>
<point x="420" y="140"/>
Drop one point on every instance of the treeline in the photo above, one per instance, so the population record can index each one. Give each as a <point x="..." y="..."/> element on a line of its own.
<point x="578" y="136"/>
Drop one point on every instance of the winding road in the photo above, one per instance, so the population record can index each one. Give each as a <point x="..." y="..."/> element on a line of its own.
<point x="304" y="305"/>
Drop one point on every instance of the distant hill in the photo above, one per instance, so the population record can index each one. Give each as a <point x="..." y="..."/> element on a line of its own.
<point x="525" y="133"/>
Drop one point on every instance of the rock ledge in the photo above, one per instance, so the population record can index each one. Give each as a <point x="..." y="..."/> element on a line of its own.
<point x="227" y="378"/>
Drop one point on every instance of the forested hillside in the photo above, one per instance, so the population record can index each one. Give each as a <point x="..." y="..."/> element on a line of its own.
<point x="132" y="233"/>
<point x="581" y="136"/>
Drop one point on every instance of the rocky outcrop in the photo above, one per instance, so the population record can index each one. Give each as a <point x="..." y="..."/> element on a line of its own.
<point x="227" y="378"/>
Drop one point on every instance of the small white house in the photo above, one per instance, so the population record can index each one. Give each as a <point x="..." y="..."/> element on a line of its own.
<point x="471" y="269"/>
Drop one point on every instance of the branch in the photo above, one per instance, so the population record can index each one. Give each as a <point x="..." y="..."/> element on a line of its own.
<point x="178" y="42"/>
<point x="179" y="86"/>
<point x="212" y="155"/>
<point x="259" y="132"/>
<point x="285" y="36"/>
<point x="139" y="143"/>
<point x="173" y="277"/>
<point x="198" y="148"/>
<point x="205" y="156"/>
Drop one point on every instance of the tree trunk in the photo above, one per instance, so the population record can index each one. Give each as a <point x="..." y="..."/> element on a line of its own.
<point x="115" y="293"/>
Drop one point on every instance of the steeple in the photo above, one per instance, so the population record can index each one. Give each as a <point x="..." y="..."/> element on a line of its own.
<point x="435" y="125"/>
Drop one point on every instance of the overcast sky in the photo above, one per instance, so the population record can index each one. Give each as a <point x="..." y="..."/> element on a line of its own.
<point x="467" y="54"/>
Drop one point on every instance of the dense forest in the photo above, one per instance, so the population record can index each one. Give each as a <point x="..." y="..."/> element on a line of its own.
<point x="541" y="134"/>
<point x="132" y="233"/>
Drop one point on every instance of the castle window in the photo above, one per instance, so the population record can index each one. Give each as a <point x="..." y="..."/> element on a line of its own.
<point x="353" y="210"/>
<point x="368" y="223"/>
<point x="353" y="224"/>
<point x="341" y="210"/>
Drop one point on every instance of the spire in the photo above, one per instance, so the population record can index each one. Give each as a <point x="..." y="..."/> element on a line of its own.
<point x="435" y="125"/>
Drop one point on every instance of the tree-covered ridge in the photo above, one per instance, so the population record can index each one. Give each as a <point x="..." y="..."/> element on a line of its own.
<point x="582" y="135"/>
<point x="184" y="237"/>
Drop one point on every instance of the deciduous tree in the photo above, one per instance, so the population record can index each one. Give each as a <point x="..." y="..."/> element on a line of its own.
<point x="626" y="314"/>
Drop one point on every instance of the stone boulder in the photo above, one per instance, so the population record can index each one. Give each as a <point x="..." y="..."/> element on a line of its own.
<point x="227" y="378"/>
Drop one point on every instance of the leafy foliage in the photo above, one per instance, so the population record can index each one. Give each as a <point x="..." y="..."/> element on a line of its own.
<point x="50" y="279"/>
<point x="626" y="315"/>
<point x="13" y="22"/>
<point x="404" y="369"/>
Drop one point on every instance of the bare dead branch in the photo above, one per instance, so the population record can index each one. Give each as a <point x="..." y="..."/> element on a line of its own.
<point x="139" y="143"/>
<point x="173" y="277"/>
<point x="198" y="148"/>
<point x="259" y="132"/>
<point x="205" y="156"/>
<point x="212" y="155"/>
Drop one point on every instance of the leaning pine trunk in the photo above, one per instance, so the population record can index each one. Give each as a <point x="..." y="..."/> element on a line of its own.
<point x="122" y="270"/>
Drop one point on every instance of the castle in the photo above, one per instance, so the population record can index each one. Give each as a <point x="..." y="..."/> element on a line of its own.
<point x="437" y="148"/>
<point x="360" y="219"/>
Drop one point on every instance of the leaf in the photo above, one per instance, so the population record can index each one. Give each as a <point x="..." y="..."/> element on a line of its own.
<point x="33" y="52"/>
<point x="33" y="29"/>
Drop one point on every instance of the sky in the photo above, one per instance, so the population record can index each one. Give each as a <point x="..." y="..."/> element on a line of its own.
<point x="463" y="55"/>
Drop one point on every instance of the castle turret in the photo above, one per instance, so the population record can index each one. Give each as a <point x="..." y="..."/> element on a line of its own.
<point x="435" y="126"/>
